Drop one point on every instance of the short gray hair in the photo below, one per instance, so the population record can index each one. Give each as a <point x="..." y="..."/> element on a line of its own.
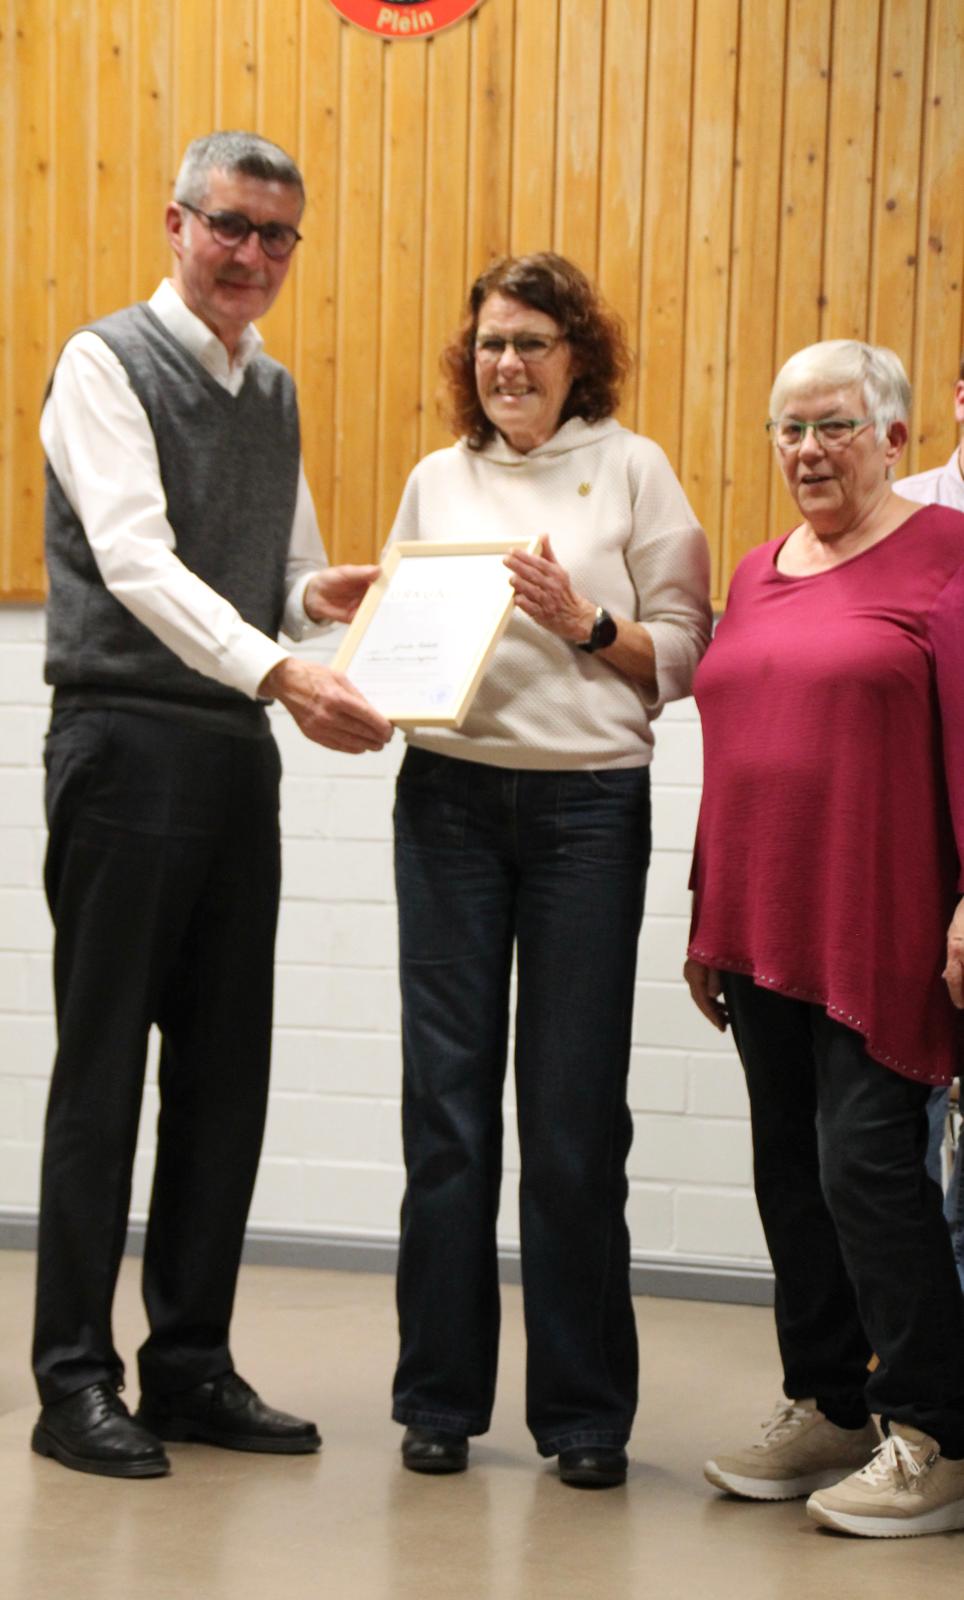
<point x="234" y="151"/>
<point x="838" y="363"/>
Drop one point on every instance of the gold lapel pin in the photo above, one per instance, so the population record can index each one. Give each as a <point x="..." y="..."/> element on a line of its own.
<point x="584" y="488"/>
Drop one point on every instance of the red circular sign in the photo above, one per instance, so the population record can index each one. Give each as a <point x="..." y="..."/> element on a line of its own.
<point x="404" y="19"/>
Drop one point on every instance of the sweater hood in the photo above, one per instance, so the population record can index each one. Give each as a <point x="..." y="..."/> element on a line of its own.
<point x="575" y="434"/>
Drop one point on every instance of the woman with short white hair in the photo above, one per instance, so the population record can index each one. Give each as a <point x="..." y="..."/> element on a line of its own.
<point x="828" y="931"/>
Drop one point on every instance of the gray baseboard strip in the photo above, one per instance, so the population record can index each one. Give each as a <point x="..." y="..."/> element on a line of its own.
<point x="665" y="1279"/>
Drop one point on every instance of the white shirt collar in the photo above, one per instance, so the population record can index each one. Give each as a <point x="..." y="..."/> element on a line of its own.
<point x="200" y="342"/>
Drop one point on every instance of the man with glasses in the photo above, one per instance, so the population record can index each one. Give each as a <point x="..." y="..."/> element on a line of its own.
<point x="181" y="538"/>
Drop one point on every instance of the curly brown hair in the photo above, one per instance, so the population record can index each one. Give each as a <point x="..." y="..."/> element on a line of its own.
<point x="550" y="283"/>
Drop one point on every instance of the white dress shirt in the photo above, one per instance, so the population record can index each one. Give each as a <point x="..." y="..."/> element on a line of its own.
<point x="100" y="446"/>
<point x="941" y="486"/>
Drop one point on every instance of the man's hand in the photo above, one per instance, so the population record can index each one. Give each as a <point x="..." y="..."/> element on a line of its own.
<point x="326" y="707"/>
<point x="335" y="593"/>
<point x="953" y="973"/>
<point x="705" y="988"/>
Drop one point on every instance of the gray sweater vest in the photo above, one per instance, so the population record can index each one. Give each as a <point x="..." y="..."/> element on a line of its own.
<point x="229" y="466"/>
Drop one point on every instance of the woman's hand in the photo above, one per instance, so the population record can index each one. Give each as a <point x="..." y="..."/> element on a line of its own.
<point x="543" y="591"/>
<point x="953" y="973"/>
<point x="705" y="987"/>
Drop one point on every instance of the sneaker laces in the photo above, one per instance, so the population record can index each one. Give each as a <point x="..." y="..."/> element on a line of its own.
<point x="894" y="1458"/>
<point x="787" y="1416"/>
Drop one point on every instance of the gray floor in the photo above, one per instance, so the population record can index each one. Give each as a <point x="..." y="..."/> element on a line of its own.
<point x="351" y="1523"/>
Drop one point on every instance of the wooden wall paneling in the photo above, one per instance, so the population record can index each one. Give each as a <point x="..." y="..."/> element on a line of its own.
<point x="400" y="319"/>
<point x="752" y="330"/>
<point x="316" y="277"/>
<point x="897" y="178"/>
<point x="806" y="98"/>
<point x="71" y="141"/>
<point x="359" y="262"/>
<point x="665" y="207"/>
<point x="621" y="168"/>
<point x="30" y="342"/>
<point x="492" y="37"/>
<point x="193" y="38"/>
<point x="576" y="212"/>
<point x="153" y="168"/>
<point x="113" y="96"/>
<point x="799" y="281"/>
<point x="446" y="275"/>
<point x="708" y="264"/>
<point x="605" y="126"/>
<point x="8" y="214"/>
<point x="850" y="170"/>
<point x="534" y="125"/>
<point x="278" y="74"/>
<point x="239" y="64"/>
<point x="937" y="342"/>
<point x="277" y="119"/>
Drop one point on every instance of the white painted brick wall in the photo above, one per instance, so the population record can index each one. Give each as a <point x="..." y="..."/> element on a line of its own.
<point x="332" y="1160"/>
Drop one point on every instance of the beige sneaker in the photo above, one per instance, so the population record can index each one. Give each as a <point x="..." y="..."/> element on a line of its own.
<point x="908" y="1488"/>
<point x="800" y="1451"/>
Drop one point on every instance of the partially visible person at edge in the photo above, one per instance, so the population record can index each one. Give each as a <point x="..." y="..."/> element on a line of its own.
<point x="528" y="830"/>
<point x="944" y="486"/>
<point x="828" y="933"/>
<point x="180" y="537"/>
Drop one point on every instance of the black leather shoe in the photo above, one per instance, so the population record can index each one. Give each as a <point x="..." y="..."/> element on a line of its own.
<point x="93" y="1431"/>
<point x="593" y="1466"/>
<point x="431" y="1450"/>
<point x="226" y="1411"/>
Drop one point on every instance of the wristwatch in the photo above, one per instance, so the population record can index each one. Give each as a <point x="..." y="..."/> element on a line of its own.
<point x="603" y="633"/>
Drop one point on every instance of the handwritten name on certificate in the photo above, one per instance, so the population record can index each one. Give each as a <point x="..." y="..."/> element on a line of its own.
<point x="427" y="629"/>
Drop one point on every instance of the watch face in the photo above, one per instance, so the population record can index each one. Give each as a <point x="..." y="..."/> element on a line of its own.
<point x="604" y="631"/>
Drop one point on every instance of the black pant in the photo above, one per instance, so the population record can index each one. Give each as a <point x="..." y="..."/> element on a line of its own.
<point x="860" y="1248"/>
<point x="552" y="864"/>
<point x="162" y="875"/>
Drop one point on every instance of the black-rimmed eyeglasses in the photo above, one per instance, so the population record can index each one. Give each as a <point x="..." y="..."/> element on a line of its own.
<point x="232" y="228"/>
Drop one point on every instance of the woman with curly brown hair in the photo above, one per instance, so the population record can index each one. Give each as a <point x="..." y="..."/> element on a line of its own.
<point x="527" y="830"/>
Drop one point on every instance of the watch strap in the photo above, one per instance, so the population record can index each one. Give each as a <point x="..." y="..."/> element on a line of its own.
<point x="602" y="635"/>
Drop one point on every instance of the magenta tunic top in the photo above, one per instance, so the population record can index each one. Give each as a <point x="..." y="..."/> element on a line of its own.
<point x="831" y="834"/>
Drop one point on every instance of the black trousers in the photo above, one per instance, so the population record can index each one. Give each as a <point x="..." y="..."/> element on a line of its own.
<point x="162" y="876"/>
<point x="860" y="1249"/>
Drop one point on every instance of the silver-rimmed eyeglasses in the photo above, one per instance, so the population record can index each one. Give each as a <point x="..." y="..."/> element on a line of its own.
<point x="529" y="347"/>
<point x="232" y="228"/>
<point x="831" y="433"/>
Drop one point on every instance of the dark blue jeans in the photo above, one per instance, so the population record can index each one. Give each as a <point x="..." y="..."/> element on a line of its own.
<point x="954" y="1207"/>
<point x="860" y="1248"/>
<point x="954" y="1198"/>
<point x="553" y="865"/>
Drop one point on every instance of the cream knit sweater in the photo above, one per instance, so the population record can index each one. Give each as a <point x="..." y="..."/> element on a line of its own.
<point x="623" y="528"/>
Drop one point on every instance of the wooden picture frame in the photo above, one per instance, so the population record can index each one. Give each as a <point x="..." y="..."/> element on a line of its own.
<point x="426" y="630"/>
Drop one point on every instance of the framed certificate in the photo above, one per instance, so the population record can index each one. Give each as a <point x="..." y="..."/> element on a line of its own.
<point x="426" y="630"/>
